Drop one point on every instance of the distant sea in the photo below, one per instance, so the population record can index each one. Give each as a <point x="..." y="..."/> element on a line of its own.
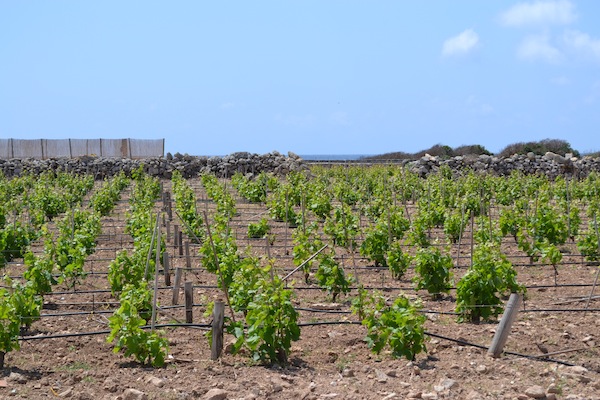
<point x="332" y="157"/>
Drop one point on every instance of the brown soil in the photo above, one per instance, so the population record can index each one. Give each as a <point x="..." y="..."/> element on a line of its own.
<point x="329" y="361"/>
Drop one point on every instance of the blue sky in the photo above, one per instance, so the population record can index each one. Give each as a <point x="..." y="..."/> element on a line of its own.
<point x="310" y="76"/>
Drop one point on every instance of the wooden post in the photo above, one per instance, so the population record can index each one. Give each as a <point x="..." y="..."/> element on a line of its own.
<point x="180" y="243"/>
<point x="189" y="302"/>
<point x="175" y="236"/>
<point x="188" y="260"/>
<point x="503" y="330"/>
<point x="217" y="330"/>
<point x="168" y="225"/>
<point x="169" y="206"/>
<point x="167" y="270"/>
<point x="176" y="286"/>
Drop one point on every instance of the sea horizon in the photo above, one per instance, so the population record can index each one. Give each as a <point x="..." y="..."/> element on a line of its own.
<point x="332" y="157"/>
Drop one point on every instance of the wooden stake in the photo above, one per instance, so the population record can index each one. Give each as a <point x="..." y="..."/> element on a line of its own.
<point x="587" y="304"/>
<point x="176" y="286"/>
<point x="154" y="233"/>
<point x="188" y="259"/>
<point x="217" y="330"/>
<point x="188" y="289"/>
<point x="166" y="269"/>
<point x="175" y="236"/>
<point x="503" y="330"/>
<point x="180" y="242"/>
<point x="169" y="206"/>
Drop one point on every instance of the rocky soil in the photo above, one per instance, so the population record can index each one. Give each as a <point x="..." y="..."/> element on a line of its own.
<point x="552" y="349"/>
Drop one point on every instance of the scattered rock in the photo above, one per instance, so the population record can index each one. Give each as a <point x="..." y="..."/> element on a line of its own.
<point x="215" y="394"/>
<point x="66" y="393"/>
<point x="381" y="376"/>
<point x="110" y="385"/>
<point x="552" y="388"/>
<point x="535" y="392"/>
<point x="134" y="394"/>
<point x="17" y="377"/>
<point x="348" y="373"/>
<point x="447" y="384"/>
<point x="158" y="382"/>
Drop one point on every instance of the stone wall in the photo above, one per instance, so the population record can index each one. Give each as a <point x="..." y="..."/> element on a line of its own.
<point x="549" y="164"/>
<point x="163" y="167"/>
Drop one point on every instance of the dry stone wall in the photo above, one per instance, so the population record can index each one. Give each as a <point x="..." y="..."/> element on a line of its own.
<point x="550" y="164"/>
<point x="189" y="166"/>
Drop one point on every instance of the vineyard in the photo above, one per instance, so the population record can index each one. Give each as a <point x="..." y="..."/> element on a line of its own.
<point x="349" y="282"/>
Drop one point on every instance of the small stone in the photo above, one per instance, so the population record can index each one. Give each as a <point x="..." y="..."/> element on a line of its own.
<point x="414" y="394"/>
<point x="552" y="388"/>
<point x="576" y="369"/>
<point x="392" y="373"/>
<point x="110" y="385"/>
<point x="390" y="396"/>
<point x="381" y="376"/>
<point x="447" y="384"/>
<point x="215" y="394"/>
<point x="482" y="369"/>
<point x="158" y="382"/>
<point x="134" y="394"/>
<point x="535" y="392"/>
<point x="348" y="373"/>
<point x="16" y="377"/>
<point x="429" y="396"/>
<point x="551" y="396"/>
<point x="66" y="393"/>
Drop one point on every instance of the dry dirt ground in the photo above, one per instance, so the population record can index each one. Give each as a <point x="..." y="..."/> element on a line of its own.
<point x="330" y="361"/>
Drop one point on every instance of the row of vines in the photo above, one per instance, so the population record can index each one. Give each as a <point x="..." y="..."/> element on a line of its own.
<point x="385" y="217"/>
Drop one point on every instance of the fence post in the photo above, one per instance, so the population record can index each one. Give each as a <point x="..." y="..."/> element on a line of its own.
<point x="217" y="330"/>
<point x="189" y="302"/>
<point x="176" y="286"/>
<point x="503" y="330"/>
<point x="167" y="269"/>
<point x="188" y="259"/>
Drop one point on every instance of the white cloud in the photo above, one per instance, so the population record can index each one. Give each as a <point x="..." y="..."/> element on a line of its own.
<point x="560" y="12"/>
<point x="460" y="44"/>
<point x="538" y="47"/>
<point x="582" y="43"/>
